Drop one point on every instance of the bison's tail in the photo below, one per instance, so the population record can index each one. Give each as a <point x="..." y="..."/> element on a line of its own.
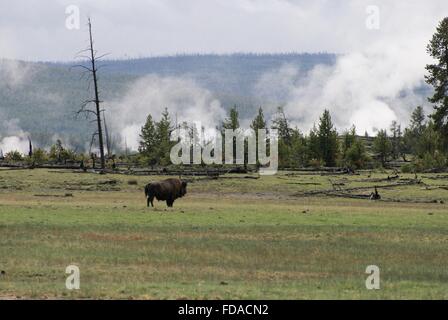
<point x="149" y="193"/>
<point x="147" y="190"/>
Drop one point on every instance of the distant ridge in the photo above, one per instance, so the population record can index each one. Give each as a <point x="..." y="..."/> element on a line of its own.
<point x="56" y="90"/>
<point x="178" y="63"/>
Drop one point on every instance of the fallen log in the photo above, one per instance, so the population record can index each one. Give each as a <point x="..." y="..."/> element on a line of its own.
<point x="332" y="191"/>
<point x="305" y="183"/>
<point x="368" y="197"/>
<point x="393" y="178"/>
<point x="438" y="177"/>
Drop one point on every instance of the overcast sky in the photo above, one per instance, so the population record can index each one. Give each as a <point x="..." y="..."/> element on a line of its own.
<point x="36" y="29"/>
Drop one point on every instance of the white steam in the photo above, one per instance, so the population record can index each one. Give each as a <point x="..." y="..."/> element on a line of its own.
<point x="15" y="140"/>
<point x="375" y="82"/>
<point x="184" y="99"/>
<point x="369" y="89"/>
<point x="14" y="73"/>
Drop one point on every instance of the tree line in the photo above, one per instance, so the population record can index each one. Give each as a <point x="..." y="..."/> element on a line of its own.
<point x="420" y="146"/>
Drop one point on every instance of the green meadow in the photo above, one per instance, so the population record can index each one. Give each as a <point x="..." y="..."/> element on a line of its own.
<point x="229" y="238"/>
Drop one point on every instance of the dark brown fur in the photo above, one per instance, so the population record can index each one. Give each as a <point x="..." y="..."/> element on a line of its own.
<point x="167" y="190"/>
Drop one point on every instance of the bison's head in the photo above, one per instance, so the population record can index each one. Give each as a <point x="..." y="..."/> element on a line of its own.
<point x="183" y="190"/>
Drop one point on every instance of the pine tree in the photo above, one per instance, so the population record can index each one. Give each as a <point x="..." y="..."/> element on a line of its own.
<point x="281" y="123"/>
<point x="148" y="140"/>
<point x="429" y="141"/>
<point x="348" y="139"/>
<point x="418" y="120"/>
<point x="232" y="123"/>
<point x="57" y="151"/>
<point x="438" y="77"/>
<point x="163" y="129"/>
<point x="259" y="122"/>
<point x="382" y="146"/>
<point x="298" y="156"/>
<point x="396" y="140"/>
<point x="356" y="155"/>
<point x="354" y="152"/>
<point x="412" y="135"/>
<point x="313" y="145"/>
<point x="328" y="140"/>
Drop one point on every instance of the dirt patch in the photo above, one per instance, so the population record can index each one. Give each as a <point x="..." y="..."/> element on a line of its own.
<point x="117" y="237"/>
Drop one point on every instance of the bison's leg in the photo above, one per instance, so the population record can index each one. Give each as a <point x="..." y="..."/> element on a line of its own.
<point x="169" y="202"/>
<point x="149" y="200"/>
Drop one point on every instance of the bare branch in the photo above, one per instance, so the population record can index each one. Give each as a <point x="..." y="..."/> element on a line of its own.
<point x="102" y="56"/>
<point x="86" y="58"/>
<point x="87" y="111"/>
<point x="85" y="50"/>
<point x="84" y="111"/>
<point x="81" y="66"/>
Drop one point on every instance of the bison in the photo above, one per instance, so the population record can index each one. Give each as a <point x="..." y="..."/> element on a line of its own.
<point x="167" y="190"/>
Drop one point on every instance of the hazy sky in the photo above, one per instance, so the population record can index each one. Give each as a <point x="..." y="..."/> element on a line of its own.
<point x="36" y="29"/>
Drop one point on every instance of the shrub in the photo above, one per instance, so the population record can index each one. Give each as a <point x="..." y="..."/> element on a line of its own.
<point x="356" y="156"/>
<point x="407" y="168"/>
<point x="430" y="162"/>
<point x="14" y="156"/>
<point x="39" y="156"/>
<point x="316" y="163"/>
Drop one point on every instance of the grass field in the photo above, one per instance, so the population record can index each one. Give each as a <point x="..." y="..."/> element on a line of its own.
<point x="229" y="238"/>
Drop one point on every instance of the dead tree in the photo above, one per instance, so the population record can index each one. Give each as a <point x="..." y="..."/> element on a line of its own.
<point x="108" y="138"/>
<point x="30" y="150"/>
<point x="375" y="195"/>
<point x="93" y="71"/>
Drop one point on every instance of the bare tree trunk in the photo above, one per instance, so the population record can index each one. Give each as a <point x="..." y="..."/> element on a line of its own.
<point x="30" y="152"/>
<point x="97" y="99"/>
<point x="108" y="137"/>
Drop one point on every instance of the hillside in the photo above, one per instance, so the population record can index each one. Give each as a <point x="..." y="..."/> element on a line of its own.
<point x="44" y="97"/>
